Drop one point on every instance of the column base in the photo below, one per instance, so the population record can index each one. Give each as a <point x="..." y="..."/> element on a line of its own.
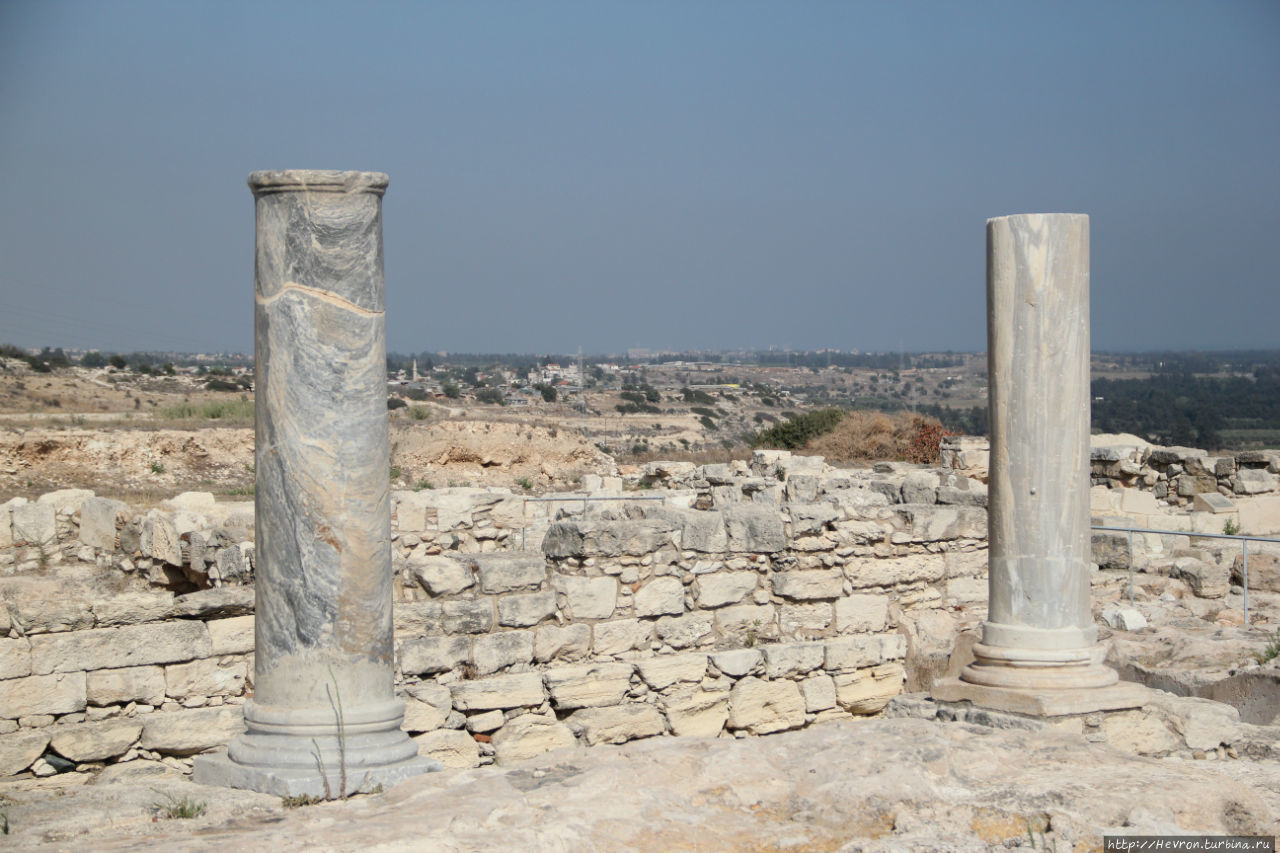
<point x="1043" y="701"/>
<point x="218" y="769"/>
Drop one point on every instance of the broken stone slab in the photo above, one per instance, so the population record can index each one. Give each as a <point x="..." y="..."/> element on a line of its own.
<point x="762" y="707"/>
<point x="509" y="572"/>
<point x="869" y="690"/>
<point x="19" y="749"/>
<point x="1264" y="571"/>
<point x="503" y="692"/>
<point x="15" y="658"/>
<point x="755" y="529"/>
<point x="453" y="748"/>
<point x="441" y="575"/>
<point x="556" y="642"/>
<point x="588" y="598"/>
<point x="34" y="524"/>
<point x="808" y="584"/>
<point x="1207" y="580"/>
<point x="617" y="724"/>
<point x="99" y="518"/>
<point x="1212" y="502"/>
<point x="597" y="537"/>
<point x="662" y="596"/>
<point x="98" y="741"/>
<point x="426" y="706"/>
<point x="592" y="685"/>
<point x="131" y="684"/>
<point x="530" y="735"/>
<point x="695" y="712"/>
<point x="57" y="693"/>
<point x="723" y="588"/>
<point x="1123" y="618"/>
<point x="662" y="672"/>
<point x="430" y="655"/>
<point x="188" y="732"/>
<point x="493" y="652"/>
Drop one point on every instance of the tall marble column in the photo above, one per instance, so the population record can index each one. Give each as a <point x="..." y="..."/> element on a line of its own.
<point x="324" y="719"/>
<point x="1039" y="652"/>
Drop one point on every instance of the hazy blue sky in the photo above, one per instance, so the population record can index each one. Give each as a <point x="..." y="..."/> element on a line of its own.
<point x="612" y="175"/>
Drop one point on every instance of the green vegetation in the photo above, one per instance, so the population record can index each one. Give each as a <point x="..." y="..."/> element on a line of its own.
<point x="423" y="484"/>
<point x="1271" y="652"/>
<point x="548" y="392"/>
<point x="157" y="467"/>
<point x="1231" y="527"/>
<point x="492" y="396"/>
<point x="300" y="800"/>
<point x="524" y="483"/>
<point x="172" y="807"/>
<point x="796" y="432"/>
<point x="418" y="413"/>
<point x="214" y="410"/>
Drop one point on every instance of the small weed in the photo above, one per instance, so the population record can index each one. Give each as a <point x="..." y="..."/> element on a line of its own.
<point x="78" y="420"/>
<point x="1231" y="527"/>
<point x="241" y="491"/>
<point x="418" y="413"/>
<point x="157" y="467"/>
<point x="300" y="800"/>
<point x="396" y="473"/>
<point x="524" y="483"/>
<point x="4" y="823"/>
<point x="1271" y="652"/>
<point x="423" y="484"/>
<point x="182" y="809"/>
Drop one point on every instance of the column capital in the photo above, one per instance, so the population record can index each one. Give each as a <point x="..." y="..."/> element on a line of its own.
<point x="317" y="181"/>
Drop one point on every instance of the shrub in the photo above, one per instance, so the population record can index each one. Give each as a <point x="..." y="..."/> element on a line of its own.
<point x="394" y="403"/>
<point x="418" y="413"/>
<point x="795" y="433"/>
<point x="492" y="396"/>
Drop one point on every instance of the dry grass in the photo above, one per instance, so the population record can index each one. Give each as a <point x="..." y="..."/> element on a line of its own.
<point x="876" y="436"/>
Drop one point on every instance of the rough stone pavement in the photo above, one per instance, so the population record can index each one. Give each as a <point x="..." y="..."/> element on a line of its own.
<point x="857" y="785"/>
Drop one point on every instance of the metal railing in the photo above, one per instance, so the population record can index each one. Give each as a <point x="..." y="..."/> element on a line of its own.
<point x="1244" y="546"/>
<point x="585" y="499"/>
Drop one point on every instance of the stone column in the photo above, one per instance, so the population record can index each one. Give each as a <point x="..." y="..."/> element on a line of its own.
<point x="324" y="719"/>
<point x="1039" y="652"/>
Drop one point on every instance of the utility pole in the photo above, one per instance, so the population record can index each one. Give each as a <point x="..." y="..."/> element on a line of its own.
<point x="582" y="382"/>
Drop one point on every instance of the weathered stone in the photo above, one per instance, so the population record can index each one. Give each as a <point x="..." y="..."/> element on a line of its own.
<point x="617" y="724"/>
<point x="231" y="636"/>
<point x="1264" y="571"/>
<point x="660" y="597"/>
<point x="1212" y="502"/>
<point x="188" y="732"/>
<point x="1207" y="580"/>
<point x="787" y="659"/>
<point x="15" y="658"/>
<point x="132" y="684"/>
<point x="761" y="707"/>
<point x="1123" y="618"/>
<point x="694" y="712"/>
<point x="232" y="564"/>
<point x="702" y="531"/>
<point x="160" y="538"/>
<point x="106" y="648"/>
<point x="896" y="570"/>
<point x="452" y="748"/>
<point x="920" y="487"/>
<point x="440" y="575"/>
<point x="592" y="685"/>
<point x="96" y="741"/>
<point x="721" y="588"/>
<point x="819" y="693"/>
<point x="869" y="690"/>
<point x="846" y="654"/>
<point x="804" y="619"/>
<point x="620" y="635"/>
<point x="555" y="642"/>
<point x="19" y="749"/>
<point x="529" y="736"/>
<point x="215" y="603"/>
<point x="526" y="610"/>
<point x="939" y="523"/>
<point x="487" y="721"/>
<point x="34" y="524"/>
<point x="811" y="518"/>
<point x="737" y="662"/>
<point x="1247" y="481"/>
<point x="662" y="672"/>
<point x="501" y="691"/>
<point x="59" y="693"/>
<point x="207" y="677"/>
<point x="755" y="529"/>
<point x="1140" y="733"/>
<point x="467" y="617"/>
<point x="750" y="620"/>
<point x="492" y="652"/>
<point x="808" y="585"/>
<point x="588" y="598"/>
<point x="1202" y="723"/>
<point x="859" y="613"/>
<point x="429" y="655"/>
<point x="596" y="537"/>
<point x="510" y="572"/>
<point x="132" y="608"/>
<point x="680" y="632"/>
<point x="426" y="706"/>
<point x="98" y="518"/>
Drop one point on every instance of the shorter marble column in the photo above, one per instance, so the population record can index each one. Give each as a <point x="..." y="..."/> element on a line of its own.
<point x="1039" y="652"/>
<point x="324" y="719"/>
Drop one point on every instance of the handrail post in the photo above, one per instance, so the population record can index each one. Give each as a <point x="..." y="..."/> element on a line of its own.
<point x="1244" y="561"/>
<point x="1130" y="566"/>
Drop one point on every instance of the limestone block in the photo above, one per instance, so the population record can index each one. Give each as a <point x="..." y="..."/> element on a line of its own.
<point x="588" y="598"/>
<point x="1136" y="501"/>
<point x="501" y="691"/>
<point x="555" y="642"/>
<point x="617" y="724"/>
<point x="761" y="707"/>
<point x="869" y="690"/>
<point x="812" y="518"/>
<point x="98" y="517"/>
<point x="737" y="662"/>
<point x="207" y="677"/>
<point x="232" y="636"/>
<point x="920" y="487"/>
<point x="747" y="619"/>
<point x="15" y="658"/>
<point x="429" y="655"/>
<point x="1123" y="618"/>
<point x="426" y="706"/>
<point x="597" y="537"/>
<point x="721" y="588"/>
<point x="1140" y="733"/>
<point x="662" y="672"/>
<point x="1207" y="580"/>
<point x="529" y="736"/>
<point x="1260" y="516"/>
<point x="159" y="538"/>
<point x="441" y="575"/>
<point x="6" y="525"/>
<point x="467" y="617"/>
<point x="808" y="585"/>
<point x="965" y="491"/>
<point x="232" y="564"/>
<point x="801" y="619"/>
<point x="592" y="685"/>
<point x="1264" y="571"/>
<point x="694" y="712"/>
<point x="681" y="632"/>
<point x="846" y="654"/>
<point x="1202" y="723"/>
<point x="896" y="570"/>
<point x="620" y="635"/>
<point x="1247" y="481"/>
<point x="864" y="613"/>
<point x="940" y="523"/>
<point x="1212" y="502"/>
<point x="132" y="608"/>
<point x="420" y="617"/>
<point x="111" y="648"/>
<point x="132" y="684"/>
<point x="755" y="529"/>
<point x="526" y="610"/>
<point x="786" y="659"/>
<point x="819" y="693"/>
<point x="510" y="572"/>
<point x="660" y="597"/>
<point x="703" y="531"/>
<point x="34" y="524"/>
<point x="452" y="748"/>
<point x="19" y="749"/>
<point x="96" y="741"/>
<point x="492" y="652"/>
<point x="486" y="722"/>
<point x="189" y="732"/>
<point x="59" y="693"/>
